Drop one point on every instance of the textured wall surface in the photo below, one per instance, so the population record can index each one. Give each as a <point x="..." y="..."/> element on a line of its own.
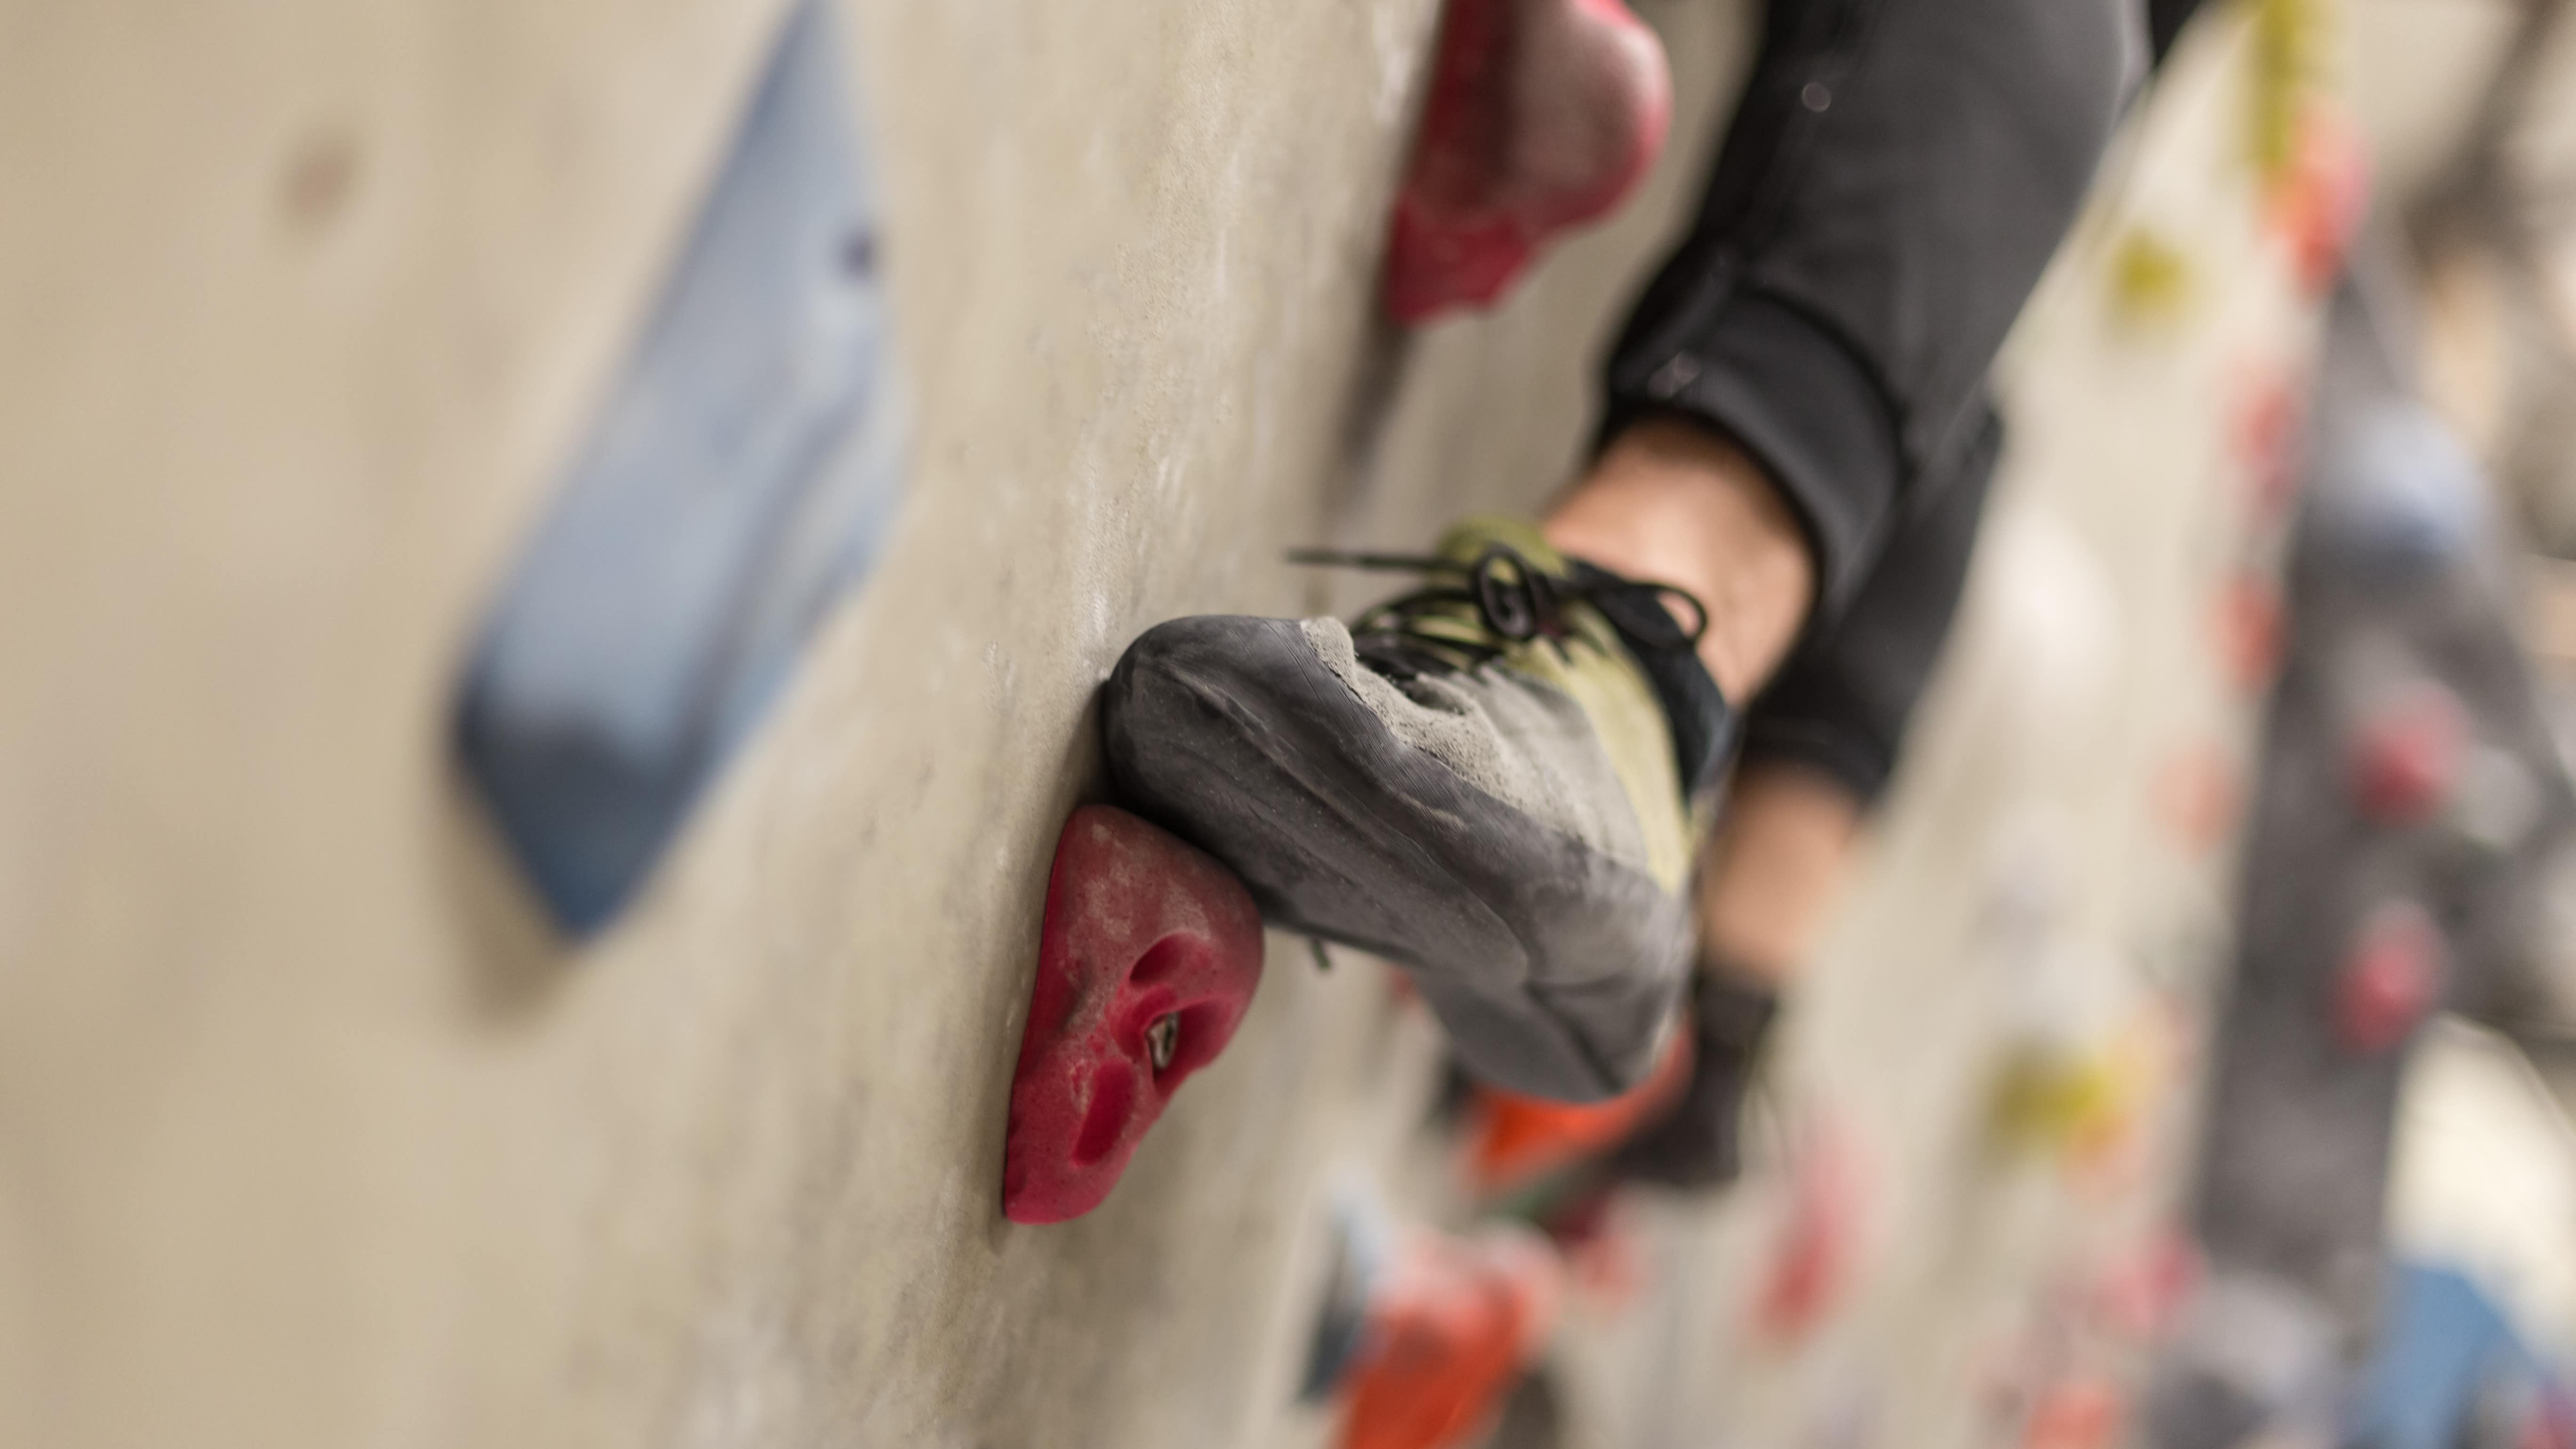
<point x="308" y="1134"/>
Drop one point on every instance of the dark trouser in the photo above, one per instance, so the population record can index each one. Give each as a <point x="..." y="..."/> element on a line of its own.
<point x="1896" y="175"/>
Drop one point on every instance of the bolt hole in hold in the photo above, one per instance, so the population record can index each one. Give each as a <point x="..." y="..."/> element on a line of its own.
<point x="1163" y="960"/>
<point x="1147" y="960"/>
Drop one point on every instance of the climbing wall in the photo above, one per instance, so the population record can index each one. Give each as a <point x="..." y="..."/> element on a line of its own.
<point x="314" y="1128"/>
<point x="321" y="1123"/>
<point x="1967" y="1235"/>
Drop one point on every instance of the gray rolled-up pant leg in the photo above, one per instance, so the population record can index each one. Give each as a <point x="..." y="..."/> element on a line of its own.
<point x="1841" y="702"/>
<point x="1895" y="178"/>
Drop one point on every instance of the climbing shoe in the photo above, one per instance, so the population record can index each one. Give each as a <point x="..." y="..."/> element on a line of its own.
<point x="1698" y="1141"/>
<point x="1486" y="780"/>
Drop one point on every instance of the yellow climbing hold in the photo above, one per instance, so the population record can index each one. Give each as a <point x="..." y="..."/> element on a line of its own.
<point x="2151" y="279"/>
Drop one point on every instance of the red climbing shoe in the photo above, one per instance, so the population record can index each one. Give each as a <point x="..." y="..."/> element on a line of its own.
<point x="1147" y="960"/>
<point x="1457" y="1321"/>
<point x="1543" y="115"/>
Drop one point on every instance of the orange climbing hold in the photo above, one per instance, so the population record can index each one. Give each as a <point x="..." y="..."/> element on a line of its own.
<point x="1515" y="1139"/>
<point x="1457" y="1321"/>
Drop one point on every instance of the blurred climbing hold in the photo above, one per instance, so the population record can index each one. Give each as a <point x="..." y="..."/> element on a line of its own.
<point x="2269" y="437"/>
<point x="2405" y="758"/>
<point x="2084" y="1412"/>
<point x="2250" y="629"/>
<point x="740" y="475"/>
<point x="2318" y="204"/>
<point x="1816" y="1253"/>
<point x="2396" y="492"/>
<point x="1543" y="116"/>
<point x="2140" y="1293"/>
<point x="2151" y="280"/>
<point x="1359" y="1250"/>
<point x="1146" y="963"/>
<point x="2390" y="977"/>
<point x="1456" y="1323"/>
<point x="2285" y="72"/>
<point x="2076" y="1101"/>
<point x="2199" y="796"/>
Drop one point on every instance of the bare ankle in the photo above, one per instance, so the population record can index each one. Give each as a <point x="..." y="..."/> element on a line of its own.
<point x="1676" y="503"/>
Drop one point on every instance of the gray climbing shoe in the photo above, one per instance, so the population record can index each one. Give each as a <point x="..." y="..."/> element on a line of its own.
<point x="1483" y="781"/>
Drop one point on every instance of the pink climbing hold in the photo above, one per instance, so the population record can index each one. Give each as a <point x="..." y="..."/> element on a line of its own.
<point x="2391" y="974"/>
<point x="1146" y="962"/>
<point x="1543" y="115"/>
<point x="2406" y="755"/>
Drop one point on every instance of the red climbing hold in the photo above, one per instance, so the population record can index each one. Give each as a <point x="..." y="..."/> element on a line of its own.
<point x="1147" y="960"/>
<point x="2270" y="437"/>
<point x="2249" y="630"/>
<point x="2391" y="974"/>
<point x="1543" y="115"/>
<point x="2323" y="198"/>
<point x="1455" y="1324"/>
<point x="1814" y="1256"/>
<point x="2406" y="755"/>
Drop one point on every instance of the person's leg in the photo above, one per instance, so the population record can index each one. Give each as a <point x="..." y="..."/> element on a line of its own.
<point x="1485" y="780"/>
<point x="1819" y="745"/>
<point x="1897" y="174"/>
<point x="1821" y="739"/>
<point x="1824" y="735"/>
<point x="1673" y="500"/>
<point x="1774" y="871"/>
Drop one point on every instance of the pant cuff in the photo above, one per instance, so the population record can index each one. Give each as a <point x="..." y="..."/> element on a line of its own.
<point x="1787" y="391"/>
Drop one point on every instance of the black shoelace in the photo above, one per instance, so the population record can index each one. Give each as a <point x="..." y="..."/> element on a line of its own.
<point x="1515" y="601"/>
